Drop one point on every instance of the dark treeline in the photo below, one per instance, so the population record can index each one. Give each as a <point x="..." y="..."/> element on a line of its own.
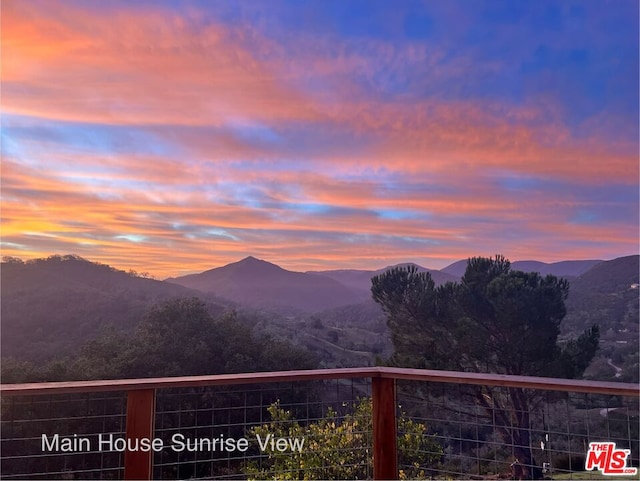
<point x="175" y="338"/>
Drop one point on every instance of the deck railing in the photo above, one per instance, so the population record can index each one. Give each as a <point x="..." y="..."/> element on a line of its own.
<point x="577" y="412"/>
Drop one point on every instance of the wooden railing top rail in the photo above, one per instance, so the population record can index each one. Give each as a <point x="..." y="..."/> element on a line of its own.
<point x="504" y="380"/>
<point x="542" y="383"/>
<point x="186" y="381"/>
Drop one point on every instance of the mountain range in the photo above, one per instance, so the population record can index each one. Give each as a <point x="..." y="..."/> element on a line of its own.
<point x="260" y="284"/>
<point x="51" y="305"/>
<point x="564" y="269"/>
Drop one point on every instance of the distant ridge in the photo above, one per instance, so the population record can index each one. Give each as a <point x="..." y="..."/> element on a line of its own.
<point x="51" y="306"/>
<point x="456" y="269"/>
<point x="610" y="276"/>
<point x="361" y="279"/>
<point x="260" y="284"/>
<point x="560" y="269"/>
<point x="604" y="295"/>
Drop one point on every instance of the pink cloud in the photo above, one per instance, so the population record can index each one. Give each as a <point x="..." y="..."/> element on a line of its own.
<point x="155" y="70"/>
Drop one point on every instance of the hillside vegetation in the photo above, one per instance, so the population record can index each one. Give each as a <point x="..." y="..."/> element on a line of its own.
<point x="605" y="295"/>
<point x="51" y="307"/>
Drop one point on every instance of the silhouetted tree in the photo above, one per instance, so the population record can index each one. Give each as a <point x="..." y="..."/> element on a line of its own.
<point x="494" y="320"/>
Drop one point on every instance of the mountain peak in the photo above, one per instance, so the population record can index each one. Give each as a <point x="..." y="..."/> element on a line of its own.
<point x="251" y="259"/>
<point x="261" y="284"/>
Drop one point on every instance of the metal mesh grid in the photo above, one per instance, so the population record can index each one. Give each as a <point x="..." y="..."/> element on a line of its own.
<point x="445" y="431"/>
<point x="202" y="430"/>
<point x="466" y="438"/>
<point x="77" y="419"/>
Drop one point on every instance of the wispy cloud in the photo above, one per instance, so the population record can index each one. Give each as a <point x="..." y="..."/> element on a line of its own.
<point x="171" y="140"/>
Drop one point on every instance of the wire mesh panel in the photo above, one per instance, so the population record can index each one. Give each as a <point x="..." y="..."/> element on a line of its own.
<point x="514" y="433"/>
<point x="575" y="421"/>
<point x="322" y="425"/>
<point x="62" y="436"/>
<point x="280" y="430"/>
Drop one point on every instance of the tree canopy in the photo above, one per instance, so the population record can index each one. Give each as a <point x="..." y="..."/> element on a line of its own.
<point x="178" y="337"/>
<point x="494" y="320"/>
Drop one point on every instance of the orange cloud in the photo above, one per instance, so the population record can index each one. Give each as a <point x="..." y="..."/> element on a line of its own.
<point x="156" y="68"/>
<point x="142" y="233"/>
<point x="152" y="69"/>
<point x="186" y="83"/>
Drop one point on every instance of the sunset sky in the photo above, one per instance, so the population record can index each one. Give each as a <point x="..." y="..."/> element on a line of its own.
<point x="176" y="136"/>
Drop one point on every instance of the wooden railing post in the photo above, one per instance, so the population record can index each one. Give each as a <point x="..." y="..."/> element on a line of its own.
<point x="141" y="413"/>
<point x="385" y="456"/>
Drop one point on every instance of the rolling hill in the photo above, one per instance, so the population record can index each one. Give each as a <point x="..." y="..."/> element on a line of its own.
<point x="604" y="295"/>
<point x="50" y="306"/>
